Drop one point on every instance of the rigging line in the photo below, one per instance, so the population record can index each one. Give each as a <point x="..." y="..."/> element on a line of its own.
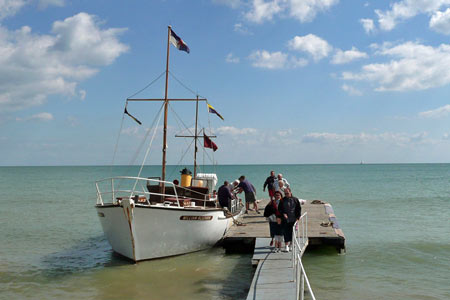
<point x="148" y="150"/>
<point x="178" y="163"/>
<point x="117" y="144"/>
<point x="210" y="130"/>
<point x="185" y="86"/>
<point x="204" y="152"/>
<point x="180" y="128"/>
<point x="133" y="159"/>
<point x="174" y="112"/>
<point x="147" y="85"/>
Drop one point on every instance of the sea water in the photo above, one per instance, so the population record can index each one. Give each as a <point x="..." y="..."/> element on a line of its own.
<point x="395" y="219"/>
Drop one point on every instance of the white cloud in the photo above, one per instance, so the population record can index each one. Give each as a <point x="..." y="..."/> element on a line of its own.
<point x="134" y="131"/>
<point x="82" y="94"/>
<point x="440" y="22"/>
<point x="238" y="27"/>
<point x="412" y="67"/>
<point x="264" y="11"/>
<point x="9" y="8"/>
<point x="275" y="60"/>
<point x="368" y="25"/>
<point x="33" y="66"/>
<point x="406" y="9"/>
<point x="284" y="132"/>
<point x="306" y="10"/>
<point x="351" y="90"/>
<point x="40" y="117"/>
<point x="302" y="10"/>
<point x="436" y="113"/>
<point x="343" y="57"/>
<point x="317" y="47"/>
<point x="231" y="58"/>
<point x="399" y="139"/>
<point x="234" y="131"/>
<point x="295" y="62"/>
<point x="266" y="60"/>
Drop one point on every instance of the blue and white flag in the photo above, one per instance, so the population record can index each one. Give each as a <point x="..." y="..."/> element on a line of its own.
<point x="178" y="42"/>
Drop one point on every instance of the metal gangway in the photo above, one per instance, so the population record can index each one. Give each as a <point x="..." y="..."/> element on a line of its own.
<point x="285" y="268"/>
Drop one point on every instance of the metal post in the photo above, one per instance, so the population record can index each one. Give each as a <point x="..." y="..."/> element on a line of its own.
<point x="113" y="191"/>
<point x="302" y="285"/>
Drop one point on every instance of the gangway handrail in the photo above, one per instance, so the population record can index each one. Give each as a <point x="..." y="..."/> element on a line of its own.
<point x="298" y="248"/>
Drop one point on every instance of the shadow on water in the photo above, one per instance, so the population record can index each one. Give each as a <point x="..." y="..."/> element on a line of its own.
<point x="90" y="254"/>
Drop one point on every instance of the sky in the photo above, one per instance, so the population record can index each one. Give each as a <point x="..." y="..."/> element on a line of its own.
<point x="297" y="81"/>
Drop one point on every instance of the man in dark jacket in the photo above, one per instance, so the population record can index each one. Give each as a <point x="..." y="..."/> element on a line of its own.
<point x="290" y="209"/>
<point x="270" y="183"/>
<point x="224" y="195"/>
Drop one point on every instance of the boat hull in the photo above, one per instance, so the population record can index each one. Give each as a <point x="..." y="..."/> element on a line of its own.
<point x="147" y="232"/>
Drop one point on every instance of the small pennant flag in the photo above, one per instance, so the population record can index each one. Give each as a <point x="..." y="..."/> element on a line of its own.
<point x="213" y="111"/>
<point x="178" y="42"/>
<point x="207" y="143"/>
<point x="137" y="121"/>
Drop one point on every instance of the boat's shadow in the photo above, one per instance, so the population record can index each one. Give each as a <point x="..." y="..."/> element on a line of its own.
<point x="92" y="253"/>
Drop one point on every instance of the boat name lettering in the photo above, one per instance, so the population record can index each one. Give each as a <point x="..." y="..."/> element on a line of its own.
<point x="196" y="218"/>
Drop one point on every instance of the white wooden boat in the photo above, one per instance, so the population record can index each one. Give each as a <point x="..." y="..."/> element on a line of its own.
<point x="146" y="218"/>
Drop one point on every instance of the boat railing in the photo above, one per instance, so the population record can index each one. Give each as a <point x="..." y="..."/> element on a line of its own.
<point x="110" y="189"/>
<point x="300" y="242"/>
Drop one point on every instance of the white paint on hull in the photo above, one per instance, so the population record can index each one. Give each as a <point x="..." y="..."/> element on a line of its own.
<point x="158" y="231"/>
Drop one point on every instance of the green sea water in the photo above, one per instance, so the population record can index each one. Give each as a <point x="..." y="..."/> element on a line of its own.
<point x="395" y="218"/>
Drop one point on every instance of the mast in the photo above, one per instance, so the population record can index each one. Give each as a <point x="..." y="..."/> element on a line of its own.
<point x="195" y="147"/>
<point x="166" y="104"/>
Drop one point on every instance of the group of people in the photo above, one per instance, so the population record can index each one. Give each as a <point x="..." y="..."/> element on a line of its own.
<point x="228" y="191"/>
<point x="282" y="211"/>
<point x="275" y="183"/>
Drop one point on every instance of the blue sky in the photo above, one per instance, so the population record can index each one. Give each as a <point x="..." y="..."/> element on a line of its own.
<point x="297" y="81"/>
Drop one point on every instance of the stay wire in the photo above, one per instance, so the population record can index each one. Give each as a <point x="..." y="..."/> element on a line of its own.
<point x="185" y="86"/>
<point x="117" y="144"/>
<point x="148" y="151"/>
<point x="176" y="115"/>
<point x="182" y="157"/>
<point x="138" y="150"/>
<point x="147" y="85"/>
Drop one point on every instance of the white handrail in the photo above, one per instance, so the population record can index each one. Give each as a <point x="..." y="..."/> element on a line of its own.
<point x="114" y="192"/>
<point x="298" y="247"/>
